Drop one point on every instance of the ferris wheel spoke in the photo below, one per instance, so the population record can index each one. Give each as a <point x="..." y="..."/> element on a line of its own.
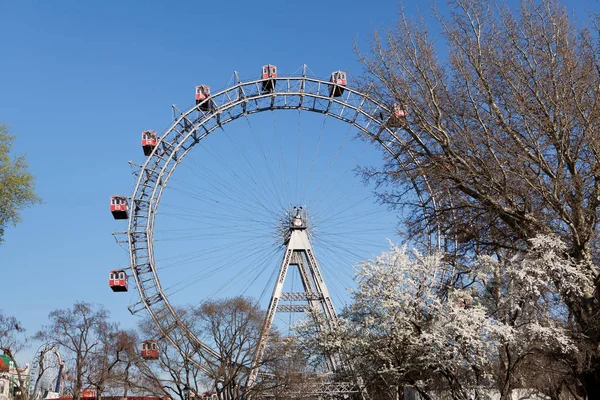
<point x="237" y="221"/>
<point x="342" y="195"/>
<point x="325" y="177"/>
<point x="341" y="211"/>
<point x="233" y="182"/>
<point x="254" y="270"/>
<point x="275" y="191"/>
<point x="359" y="241"/>
<point x="360" y="245"/>
<point x="229" y="207"/>
<point x="363" y="217"/>
<point x="335" y="260"/>
<point x="237" y="214"/>
<point x="228" y="262"/>
<point x="214" y="253"/>
<point x="209" y="227"/>
<point x="338" y="267"/>
<point x="328" y="230"/>
<point x="282" y="153"/>
<point x="268" y="199"/>
<point x="339" y="282"/>
<point x="326" y="173"/>
<point x="239" y="234"/>
<point x="214" y="193"/>
<point x="298" y="151"/>
<point x="334" y="245"/>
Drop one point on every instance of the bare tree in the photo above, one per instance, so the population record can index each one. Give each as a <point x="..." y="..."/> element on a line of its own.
<point x="114" y="349"/>
<point x="172" y="372"/>
<point x="119" y="370"/>
<point x="123" y="361"/>
<point x="13" y="340"/>
<point x="502" y="129"/>
<point x="78" y="331"/>
<point x="233" y="327"/>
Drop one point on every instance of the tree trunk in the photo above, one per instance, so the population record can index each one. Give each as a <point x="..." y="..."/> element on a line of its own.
<point x="591" y="380"/>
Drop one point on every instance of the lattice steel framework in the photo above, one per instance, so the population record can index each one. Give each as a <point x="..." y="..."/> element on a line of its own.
<point x="242" y="99"/>
<point x="299" y="253"/>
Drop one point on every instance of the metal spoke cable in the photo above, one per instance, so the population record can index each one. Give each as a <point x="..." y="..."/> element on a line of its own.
<point x="313" y="160"/>
<point x="365" y="217"/>
<point x="338" y="274"/>
<point x="236" y="185"/>
<point x="168" y="233"/>
<point x="298" y="141"/>
<point x="214" y="194"/>
<point x="334" y="203"/>
<point x="271" y="281"/>
<point x="274" y="192"/>
<point x="215" y="220"/>
<point x="343" y="211"/>
<point x="282" y="153"/>
<point x="269" y="262"/>
<point x="230" y="206"/>
<point x="248" y="268"/>
<point x="232" y="186"/>
<point x="334" y="245"/>
<point x="213" y="253"/>
<point x="254" y="174"/>
<point x="231" y="260"/>
<point x="226" y="214"/>
<point x="333" y="159"/>
<point x="339" y="263"/>
<point x="360" y="243"/>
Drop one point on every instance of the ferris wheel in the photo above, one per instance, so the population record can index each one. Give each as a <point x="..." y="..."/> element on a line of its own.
<point x="47" y="373"/>
<point x="272" y="185"/>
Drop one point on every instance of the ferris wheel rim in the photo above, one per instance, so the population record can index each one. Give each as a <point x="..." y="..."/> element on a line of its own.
<point x="146" y="198"/>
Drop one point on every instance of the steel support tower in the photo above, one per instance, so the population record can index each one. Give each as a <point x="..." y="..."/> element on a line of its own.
<point x="298" y="253"/>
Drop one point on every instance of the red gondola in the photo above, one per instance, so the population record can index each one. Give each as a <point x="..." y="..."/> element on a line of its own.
<point x="338" y="78"/>
<point x="118" y="207"/>
<point x="117" y="280"/>
<point x="203" y="93"/>
<point x="398" y="117"/>
<point x="149" y="141"/>
<point x="269" y="73"/>
<point x="150" y="350"/>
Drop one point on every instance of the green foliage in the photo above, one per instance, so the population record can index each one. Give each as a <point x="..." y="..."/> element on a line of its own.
<point x="16" y="184"/>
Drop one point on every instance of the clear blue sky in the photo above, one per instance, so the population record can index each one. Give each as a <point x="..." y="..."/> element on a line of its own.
<point x="80" y="80"/>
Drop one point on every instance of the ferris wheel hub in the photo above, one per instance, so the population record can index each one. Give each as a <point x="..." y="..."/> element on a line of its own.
<point x="298" y="220"/>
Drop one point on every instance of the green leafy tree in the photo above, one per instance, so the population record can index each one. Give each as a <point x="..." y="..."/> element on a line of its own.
<point x="16" y="183"/>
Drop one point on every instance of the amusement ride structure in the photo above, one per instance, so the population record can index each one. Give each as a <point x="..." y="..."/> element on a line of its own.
<point x="376" y="123"/>
<point x="47" y="373"/>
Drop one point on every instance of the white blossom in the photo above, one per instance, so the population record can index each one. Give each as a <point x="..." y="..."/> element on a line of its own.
<point x="410" y="323"/>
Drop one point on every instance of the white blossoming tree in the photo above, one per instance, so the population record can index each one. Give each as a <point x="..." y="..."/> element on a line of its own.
<point x="486" y="325"/>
